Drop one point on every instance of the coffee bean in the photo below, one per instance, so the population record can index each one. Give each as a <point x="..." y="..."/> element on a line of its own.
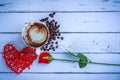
<point x="47" y="50"/>
<point x="50" y="48"/>
<point x="59" y="34"/>
<point x="62" y="38"/>
<point x="53" y="49"/>
<point x="42" y="20"/>
<point x="53" y="13"/>
<point x="53" y="35"/>
<point x="56" y="43"/>
<point x="46" y="47"/>
<point x="58" y="37"/>
<point x="57" y="46"/>
<point x="52" y="42"/>
<point x="54" y="32"/>
<point x="57" y="26"/>
<point x="51" y="45"/>
<point x="54" y="38"/>
<point x="46" y="19"/>
<point x="52" y="20"/>
<point x="41" y="49"/>
<point x="58" y="31"/>
<point x="55" y="22"/>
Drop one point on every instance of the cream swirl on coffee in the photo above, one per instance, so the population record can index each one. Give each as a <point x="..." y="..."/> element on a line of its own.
<point x="35" y="35"/>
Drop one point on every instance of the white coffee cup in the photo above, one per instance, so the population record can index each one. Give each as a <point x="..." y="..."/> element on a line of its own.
<point x="35" y="34"/>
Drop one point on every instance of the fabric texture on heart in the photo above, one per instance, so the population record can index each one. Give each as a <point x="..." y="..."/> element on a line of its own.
<point x="18" y="60"/>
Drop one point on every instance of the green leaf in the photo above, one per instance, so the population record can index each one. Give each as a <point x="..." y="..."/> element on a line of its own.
<point x="83" y="60"/>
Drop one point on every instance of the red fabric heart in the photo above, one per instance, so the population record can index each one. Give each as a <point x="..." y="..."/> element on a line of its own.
<point x="18" y="60"/>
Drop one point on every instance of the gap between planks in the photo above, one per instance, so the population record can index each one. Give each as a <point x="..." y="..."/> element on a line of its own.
<point x="62" y="73"/>
<point x="12" y="11"/>
<point x="68" y="32"/>
<point x="84" y="52"/>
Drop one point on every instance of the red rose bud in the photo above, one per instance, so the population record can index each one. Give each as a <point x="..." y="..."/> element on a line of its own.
<point x="45" y="57"/>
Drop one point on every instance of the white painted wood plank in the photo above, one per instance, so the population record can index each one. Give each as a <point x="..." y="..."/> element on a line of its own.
<point x="70" y="22"/>
<point x="60" y="5"/>
<point x="60" y="77"/>
<point x="75" y="41"/>
<point x="63" y="67"/>
<point x="85" y="20"/>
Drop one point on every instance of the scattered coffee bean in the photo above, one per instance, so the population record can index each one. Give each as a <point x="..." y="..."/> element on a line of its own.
<point x="55" y="23"/>
<point x="58" y="37"/>
<point x="42" y="20"/>
<point x="56" y="43"/>
<point x="55" y="34"/>
<point x="53" y="49"/>
<point x="46" y="18"/>
<point x="41" y="49"/>
<point x="57" y="46"/>
<point x="52" y="42"/>
<point x="50" y="48"/>
<point x="62" y="38"/>
<point x="54" y="38"/>
<point x="52" y="14"/>
<point x="58" y="31"/>
<point x="58" y="26"/>
<point x="53" y="20"/>
<point x="59" y="34"/>
<point x="51" y="45"/>
<point x="46" y="47"/>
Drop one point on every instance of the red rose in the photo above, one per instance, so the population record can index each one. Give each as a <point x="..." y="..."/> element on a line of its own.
<point x="45" y="57"/>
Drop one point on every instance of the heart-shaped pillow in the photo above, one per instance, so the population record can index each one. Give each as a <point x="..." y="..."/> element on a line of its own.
<point x="18" y="60"/>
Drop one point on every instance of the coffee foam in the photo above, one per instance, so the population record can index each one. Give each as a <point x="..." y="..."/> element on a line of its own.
<point x="35" y="35"/>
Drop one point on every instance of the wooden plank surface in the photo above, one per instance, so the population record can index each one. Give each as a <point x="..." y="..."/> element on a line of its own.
<point x="70" y="22"/>
<point x="67" y="67"/>
<point x="59" y="5"/>
<point x="91" y="27"/>
<point x="76" y="42"/>
<point x="60" y="76"/>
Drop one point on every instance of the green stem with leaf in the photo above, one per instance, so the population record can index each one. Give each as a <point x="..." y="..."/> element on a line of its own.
<point x="71" y="53"/>
<point x="68" y="60"/>
<point x="82" y="60"/>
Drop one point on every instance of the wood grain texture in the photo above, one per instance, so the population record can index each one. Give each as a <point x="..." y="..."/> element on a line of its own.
<point x="71" y="68"/>
<point x="70" y="22"/>
<point x="76" y="42"/>
<point x="60" y="76"/>
<point x="88" y="26"/>
<point x="59" y="5"/>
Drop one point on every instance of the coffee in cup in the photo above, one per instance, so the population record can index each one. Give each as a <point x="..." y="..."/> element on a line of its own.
<point x="35" y="34"/>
